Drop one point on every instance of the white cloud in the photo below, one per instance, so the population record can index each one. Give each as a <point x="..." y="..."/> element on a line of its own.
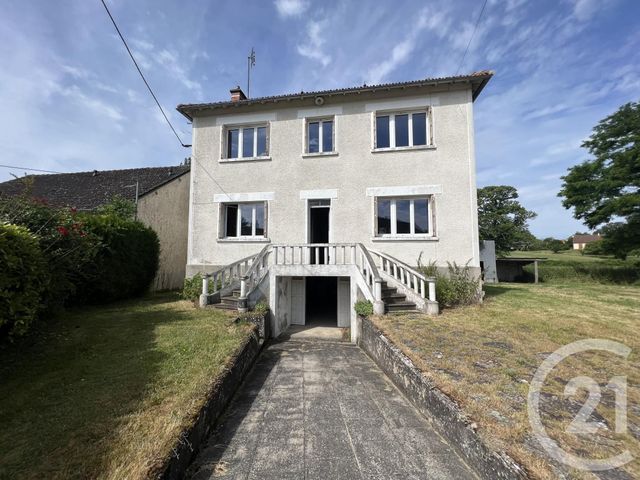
<point x="171" y="62"/>
<point x="437" y="22"/>
<point x="95" y="104"/>
<point x="76" y="72"/>
<point x="291" y="8"/>
<point x="312" y="48"/>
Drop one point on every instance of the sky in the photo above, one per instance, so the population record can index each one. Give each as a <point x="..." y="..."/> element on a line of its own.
<point x="71" y="100"/>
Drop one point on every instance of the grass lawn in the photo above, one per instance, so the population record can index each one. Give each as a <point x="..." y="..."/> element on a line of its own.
<point x="484" y="356"/>
<point x="103" y="392"/>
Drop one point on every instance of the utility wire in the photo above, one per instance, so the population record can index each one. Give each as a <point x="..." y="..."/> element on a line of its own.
<point x="27" y="168"/>
<point x="142" y="75"/>
<point x="472" y="35"/>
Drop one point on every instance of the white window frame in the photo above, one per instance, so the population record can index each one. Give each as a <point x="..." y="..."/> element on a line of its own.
<point x="393" y="215"/>
<point x="320" y="120"/>
<point x="241" y="128"/>
<point x="392" y="129"/>
<point x="238" y="235"/>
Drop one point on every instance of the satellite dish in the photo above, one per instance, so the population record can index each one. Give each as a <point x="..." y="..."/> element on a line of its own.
<point x="319" y="101"/>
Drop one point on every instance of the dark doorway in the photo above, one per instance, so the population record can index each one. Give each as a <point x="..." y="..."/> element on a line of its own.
<point x="319" y="228"/>
<point x="322" y="301"/>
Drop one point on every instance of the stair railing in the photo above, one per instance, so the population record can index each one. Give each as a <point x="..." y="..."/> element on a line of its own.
<point x="369" y="271"/>
<point x="253" y="276"/>
<point x="407" y="276"/>
<point x="227" y="276"/>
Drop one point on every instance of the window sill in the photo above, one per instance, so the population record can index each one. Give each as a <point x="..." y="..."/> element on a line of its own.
<point x="403" y="149"/>
<point x="245" y="159"/>
<point x="244" y="240"/>
<point x="320" y="154"/>
<point x="405" y="238"/>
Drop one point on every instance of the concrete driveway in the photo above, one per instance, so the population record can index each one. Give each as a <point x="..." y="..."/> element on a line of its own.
<point x="319" y="410"/>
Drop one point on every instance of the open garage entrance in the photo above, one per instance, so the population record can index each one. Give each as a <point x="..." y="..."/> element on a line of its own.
<point x="321" y="301"/>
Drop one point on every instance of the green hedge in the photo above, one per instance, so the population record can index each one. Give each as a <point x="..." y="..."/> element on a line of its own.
<point x="23" y="280"/>
<point x="126" y="260"/>
<point x="585" y="272"/>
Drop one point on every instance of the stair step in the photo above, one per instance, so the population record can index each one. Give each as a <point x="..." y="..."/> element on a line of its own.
<point x="394" y="295"/>
<point x="397" y="300"/>
<point x="400" y="306"/>
<point x="225" y="306"/>
<point x="229" y="301"/>
<point x="389" y="290"/>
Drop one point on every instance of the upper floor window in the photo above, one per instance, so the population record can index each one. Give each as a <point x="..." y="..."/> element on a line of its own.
<point x="406" y="129"/>
<point x="246" y="220"/>
<point x="247" y="142"/>
<point x="320" y="136"/>
<point x="403" y="216"/>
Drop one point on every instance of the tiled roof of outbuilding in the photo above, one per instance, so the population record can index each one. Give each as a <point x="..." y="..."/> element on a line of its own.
<point x="89" y="190"/>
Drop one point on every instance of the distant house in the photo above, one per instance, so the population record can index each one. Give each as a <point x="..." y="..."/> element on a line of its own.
<point x="581" y="241"/>
<point x="163" y="205"/>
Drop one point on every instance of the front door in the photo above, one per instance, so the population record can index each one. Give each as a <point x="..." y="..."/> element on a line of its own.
<point x="319" y="212"/>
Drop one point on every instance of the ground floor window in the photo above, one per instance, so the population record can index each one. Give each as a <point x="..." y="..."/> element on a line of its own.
<point x="403" y="216"/>
<point x="244" y="220"/>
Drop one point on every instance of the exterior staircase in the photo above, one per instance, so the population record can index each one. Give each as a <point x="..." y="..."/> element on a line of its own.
<point x="390" y="284"/>
<point x="229" y="302"/>
<point x="395" y="301"/>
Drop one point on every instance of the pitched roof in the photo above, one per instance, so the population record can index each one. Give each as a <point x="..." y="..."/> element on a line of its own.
<point x="477" y="80"/>
<point x="89" y="190"/>
<point x="586" y="238"/>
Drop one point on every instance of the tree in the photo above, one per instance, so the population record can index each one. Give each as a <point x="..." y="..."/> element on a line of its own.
<point x="501" y="218"/>
<point x="604" y="191"/>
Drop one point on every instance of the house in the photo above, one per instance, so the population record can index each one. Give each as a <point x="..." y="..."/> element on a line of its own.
<point x="313" y="200"/>
<point x="580" y="241"/>
<point x="163" y="205"/>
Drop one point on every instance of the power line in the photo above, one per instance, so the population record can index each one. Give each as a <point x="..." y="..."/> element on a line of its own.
<point x="142" y="75"/>
<point x="27" y="168"/>
<point x="472" y="35"/>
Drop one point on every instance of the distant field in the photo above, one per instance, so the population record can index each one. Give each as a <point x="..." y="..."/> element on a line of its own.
<point x="572" y="256"/>
<point x="571" y="265"/>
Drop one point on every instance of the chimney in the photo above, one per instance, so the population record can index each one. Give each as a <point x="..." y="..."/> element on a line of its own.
<point x="237" y="94"/>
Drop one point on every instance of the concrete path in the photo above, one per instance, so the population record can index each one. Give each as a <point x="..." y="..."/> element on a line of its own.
<point x="319" y="410"/>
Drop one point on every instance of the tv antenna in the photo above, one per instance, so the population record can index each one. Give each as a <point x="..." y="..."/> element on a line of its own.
<point x="251" y="61"/>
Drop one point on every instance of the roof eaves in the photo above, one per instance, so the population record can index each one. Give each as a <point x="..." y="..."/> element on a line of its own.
<point x="478" y="81"/>
<point x="163" y="183"/>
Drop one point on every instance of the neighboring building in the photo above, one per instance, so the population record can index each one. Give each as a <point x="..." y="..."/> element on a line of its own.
<point x="163" y="204"/>
<point x="308" y="199"/>
<point x="580" y="241"/>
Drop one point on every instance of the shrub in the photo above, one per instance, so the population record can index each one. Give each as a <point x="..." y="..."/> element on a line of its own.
<point x="192" y="287"/>
<point x="428" y="270"/>
<point x="457" y="287"/>
<point x="23" y="280"/>
<point x="594" y="248"/>
<point x="125" y="263"/>
<point x="255" y="315"/>
<point x="363" y="308"/>
<point x="67" y="247"/>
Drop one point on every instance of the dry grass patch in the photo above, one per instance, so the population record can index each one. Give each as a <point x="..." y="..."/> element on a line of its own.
<point x="104" y="392"/>
<point x="484" y="356"/>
